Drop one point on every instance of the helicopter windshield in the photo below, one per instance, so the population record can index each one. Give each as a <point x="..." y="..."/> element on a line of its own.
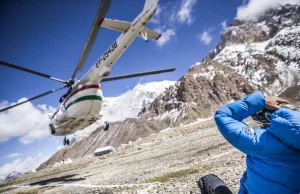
<point x="65" y="96"/>
<point x="62" y="99"/>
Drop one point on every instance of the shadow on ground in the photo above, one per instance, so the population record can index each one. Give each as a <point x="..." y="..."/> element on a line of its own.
<point x="7" y="189"/>
<point x="63" y="179"/>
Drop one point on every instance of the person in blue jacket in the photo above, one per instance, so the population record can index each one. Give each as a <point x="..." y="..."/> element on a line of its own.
<point x="273" y="151"/>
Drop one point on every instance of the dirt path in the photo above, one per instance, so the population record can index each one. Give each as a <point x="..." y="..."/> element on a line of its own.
<point x="167" y="162"/>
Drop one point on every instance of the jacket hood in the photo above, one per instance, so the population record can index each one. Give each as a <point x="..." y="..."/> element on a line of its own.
<point x="285" y="125"/>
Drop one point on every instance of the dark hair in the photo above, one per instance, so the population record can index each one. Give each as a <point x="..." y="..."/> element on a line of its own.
<point x="264" y="117"/>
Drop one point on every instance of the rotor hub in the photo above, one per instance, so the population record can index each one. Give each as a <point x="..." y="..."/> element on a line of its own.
<point x="70" y="82"/>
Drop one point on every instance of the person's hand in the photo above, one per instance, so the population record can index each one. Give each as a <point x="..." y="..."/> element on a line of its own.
<point x="273" y="102"/>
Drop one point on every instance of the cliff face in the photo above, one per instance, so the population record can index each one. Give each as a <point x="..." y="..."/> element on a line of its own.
<point x="265" y="52"/>
<point x="261" y="55"/>
<point x="198" y="93"/>
<point x="292" y="94"/>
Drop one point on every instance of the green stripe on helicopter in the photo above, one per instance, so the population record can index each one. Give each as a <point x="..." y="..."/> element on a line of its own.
<point x="91" y="97"/>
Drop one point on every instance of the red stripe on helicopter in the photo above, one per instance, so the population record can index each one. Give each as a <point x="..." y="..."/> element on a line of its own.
<point x="100" y="22"/>
<point x="158" y="37"/>
<point x="80" y="89"/>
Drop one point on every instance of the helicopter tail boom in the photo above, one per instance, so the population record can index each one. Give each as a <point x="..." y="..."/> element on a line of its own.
<point x="149" y="4"/>
<point x="123" y="26"/>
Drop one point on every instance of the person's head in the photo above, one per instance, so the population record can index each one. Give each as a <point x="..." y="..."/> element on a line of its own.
<point x="264" y="117"/>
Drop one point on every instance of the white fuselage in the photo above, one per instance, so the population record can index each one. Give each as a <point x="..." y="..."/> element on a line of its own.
<point x="82" y="105"/>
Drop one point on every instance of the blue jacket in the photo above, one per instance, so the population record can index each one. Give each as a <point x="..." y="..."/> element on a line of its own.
<point x="273" y="154"/>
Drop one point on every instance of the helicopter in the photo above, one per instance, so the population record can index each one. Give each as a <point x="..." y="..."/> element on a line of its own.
<point x="80" y="106"/>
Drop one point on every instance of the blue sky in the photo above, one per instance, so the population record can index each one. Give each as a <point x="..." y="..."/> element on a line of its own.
<point x="48" y="36"/>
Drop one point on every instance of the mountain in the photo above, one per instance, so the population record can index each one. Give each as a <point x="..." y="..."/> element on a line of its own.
<point x="198" y="93"/>
<point x="129" y="104"/>
<point x="265" y="52"/>
<point x="292" y="94"/>
<point x="119" y="133"/>
<point x="1" y="180"/>
<point x="13" y="175"/>
<point x="260" y="55"/>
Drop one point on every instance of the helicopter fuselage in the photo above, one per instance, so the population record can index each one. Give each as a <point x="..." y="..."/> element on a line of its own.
<point x="82" y="105"/>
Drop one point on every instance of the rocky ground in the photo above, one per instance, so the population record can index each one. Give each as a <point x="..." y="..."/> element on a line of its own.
<point x="170" y="161"/>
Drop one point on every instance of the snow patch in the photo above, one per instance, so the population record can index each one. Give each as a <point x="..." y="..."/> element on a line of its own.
<point x="63" y="162"/>
<point x="195" y="65"/>
<point x="200" y="120"/>
<point x="165" y="130"/>
<point x="129" y="104"/>
<point x="173" y="114"/>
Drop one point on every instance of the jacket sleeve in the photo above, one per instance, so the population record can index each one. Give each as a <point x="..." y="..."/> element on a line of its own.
<point x="285" y="125"/>
<point x="229" y="121"/>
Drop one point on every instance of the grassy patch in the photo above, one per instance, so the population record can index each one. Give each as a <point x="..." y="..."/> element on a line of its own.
<point x="177" y="174"/>
<point x="33" y="191"/>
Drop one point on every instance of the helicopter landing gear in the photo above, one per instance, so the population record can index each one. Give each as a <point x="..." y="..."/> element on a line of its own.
<point x="144" y="36"/>
<point x="106" y="125"/>
<point x="66" y="141"/>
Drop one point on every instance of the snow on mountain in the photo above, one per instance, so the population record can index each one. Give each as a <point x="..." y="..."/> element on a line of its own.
<point x="198" y="94"/>
<point x="252" y="55"/>
<point x="13" y="175"/>
<point x="129" y="104"/>
<point x="266" y="52"/>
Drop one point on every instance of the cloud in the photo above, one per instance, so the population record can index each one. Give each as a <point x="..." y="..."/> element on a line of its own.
<point x="205" y="37"/>
<point x="256" y="8"/>
<point x="13" y="155"/>
<point x="27" y="121"/>
<point x="22" y="165"/>
<point x="170" y="16"/>
<point x="185" y="12"/>
<point x="224" y="26"/>
<point x="166" y="35"/>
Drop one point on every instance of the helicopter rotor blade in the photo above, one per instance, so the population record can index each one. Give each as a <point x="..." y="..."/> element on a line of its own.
<point x="137" y="74"/>
<point x="31" y="71"/>
<point x="33" y="98"/>
<point x="102" y="11"/>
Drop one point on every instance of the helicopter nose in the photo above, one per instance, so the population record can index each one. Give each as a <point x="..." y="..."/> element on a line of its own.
<point x="52" y="129"/>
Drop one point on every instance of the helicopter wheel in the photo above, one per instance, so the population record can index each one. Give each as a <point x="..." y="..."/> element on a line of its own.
<point x="66" y="141"/>
<point x="106" y="126"/>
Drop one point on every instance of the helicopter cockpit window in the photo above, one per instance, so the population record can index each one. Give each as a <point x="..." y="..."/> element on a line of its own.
<point x="61" y="99"/>
<point x="64" y="96"/>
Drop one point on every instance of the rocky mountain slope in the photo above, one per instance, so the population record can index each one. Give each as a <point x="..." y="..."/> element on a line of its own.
<point x="260" y="55"/>
<point x="119" y="133"/>
<point x="292" y="94"/>
<point x="265" y="52"/>
<point x="198" y="94"/>
<point x="251" y="55"/>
